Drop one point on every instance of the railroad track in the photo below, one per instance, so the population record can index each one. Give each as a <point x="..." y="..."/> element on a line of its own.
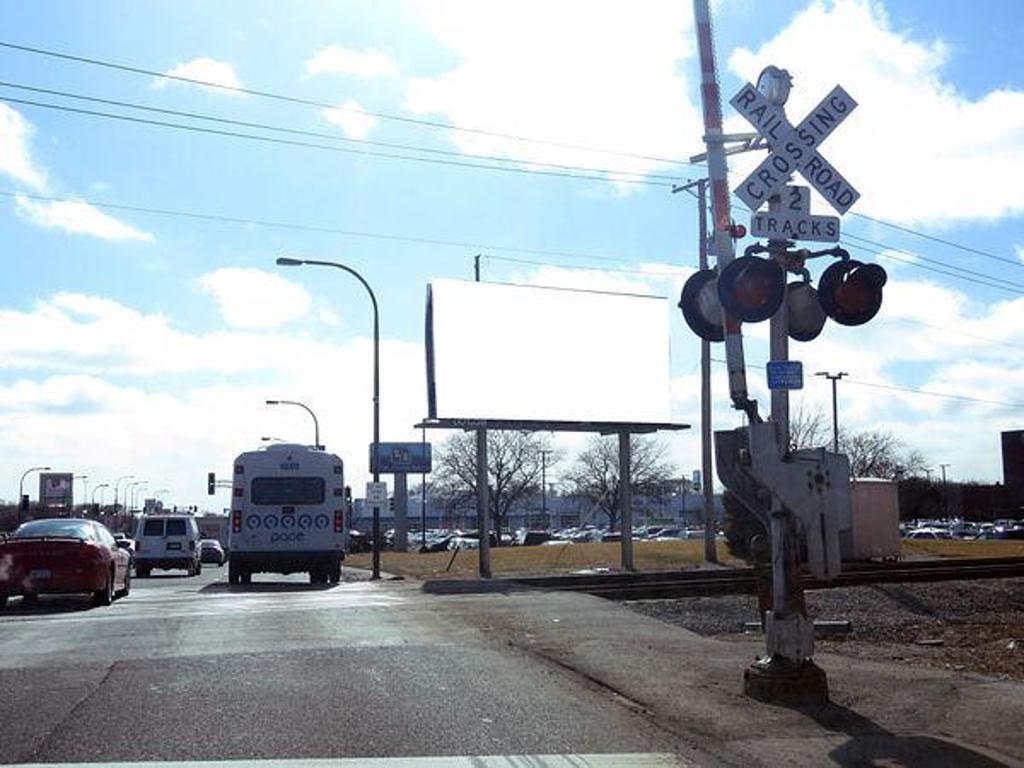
<point x="731" y="581"/>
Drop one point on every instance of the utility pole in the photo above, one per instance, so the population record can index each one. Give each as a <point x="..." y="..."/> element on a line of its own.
<point x="706" y="446"/>
<point x="945" y="491"/>
<point x="834" y="378"/>
<point x="544" y="486"/>
<point x="483" y="488"/>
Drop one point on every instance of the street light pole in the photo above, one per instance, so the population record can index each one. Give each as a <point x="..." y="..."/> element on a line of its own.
<point x="423" y="495"/>
<point x="137" y="487"/>
<point x="21" y="485"/>
<point x="99" y="487"/>
<point x="85" y="486"/>
<point x="834" y="378"/>
<point x="284" y="261"/>
<point x="316" y="423"/>
<point x="117" y="484"/>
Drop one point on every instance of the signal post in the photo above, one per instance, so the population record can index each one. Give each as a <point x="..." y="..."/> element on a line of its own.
<point x="801" y="496"/>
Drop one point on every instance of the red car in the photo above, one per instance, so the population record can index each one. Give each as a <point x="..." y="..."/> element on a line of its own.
<point x="63" y="555"/>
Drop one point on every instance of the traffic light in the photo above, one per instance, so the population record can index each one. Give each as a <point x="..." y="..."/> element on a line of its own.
<point x="701" y="309"/>
<point x="211" y="483"/>
<point x="751" y="289"/>
<point x="805" y="317"/>
<point x="850" y="291"/>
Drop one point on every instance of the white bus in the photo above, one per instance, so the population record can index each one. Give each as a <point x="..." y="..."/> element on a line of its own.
<point x="288" y="514"/>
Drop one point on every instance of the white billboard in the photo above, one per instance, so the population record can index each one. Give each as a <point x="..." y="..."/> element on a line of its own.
<point x="501" y="351"/>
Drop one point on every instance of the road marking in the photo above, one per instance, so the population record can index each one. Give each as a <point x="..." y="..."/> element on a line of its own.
<point x="644" y="760"/>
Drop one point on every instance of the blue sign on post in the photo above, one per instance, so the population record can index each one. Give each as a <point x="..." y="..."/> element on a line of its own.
<point x="785" y="374"/>
<point x="400" y="458"/>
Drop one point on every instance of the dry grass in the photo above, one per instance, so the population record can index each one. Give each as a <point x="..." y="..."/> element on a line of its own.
<point x="925" y="548"/>
<point x="520" y="561"/>
<point x="649" y="555"/>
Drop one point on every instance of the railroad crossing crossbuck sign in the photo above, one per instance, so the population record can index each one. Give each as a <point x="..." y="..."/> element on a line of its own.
<point x="795" y="149"/>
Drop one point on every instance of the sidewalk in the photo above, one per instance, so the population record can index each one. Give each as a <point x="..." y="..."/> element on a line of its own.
<point x="881" y="714"/>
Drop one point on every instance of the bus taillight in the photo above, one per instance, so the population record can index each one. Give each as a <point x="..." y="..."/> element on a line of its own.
<point x="236" y="521"/>
<point x="238" y="491"/>
<point x="339" y="520"/>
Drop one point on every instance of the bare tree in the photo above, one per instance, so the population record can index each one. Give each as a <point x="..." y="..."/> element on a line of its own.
<point x="595" y="475"/>
<point x="872" y="453"/>
<point x="877" y="453"/>
<point x="808" y="428"/>
<point x="514" y="462"/>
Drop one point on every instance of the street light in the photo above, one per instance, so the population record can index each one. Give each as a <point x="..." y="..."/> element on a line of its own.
<point x="20" y="483"/>
<point x="117" y="484"/>
<point x="284" y="261"/>
<point x="834" y="378"/>
<point x="99" y="487"/>
<point x="316" y="424"/>
<point x="85" y="485"/>
<point x="133" y="502"/>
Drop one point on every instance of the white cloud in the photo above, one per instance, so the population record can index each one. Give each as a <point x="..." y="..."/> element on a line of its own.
<point x="204" y="70"/>
<point x="601" y="75"/>
<point x="913" y="135"/>
<point x="352" y="119"/>
<point x="1020" y="251"/>
<point x="76" y="218"/>
<point x="346" y="61"/>
<point x="254" y="298"/>
<point x="15" y="153"/>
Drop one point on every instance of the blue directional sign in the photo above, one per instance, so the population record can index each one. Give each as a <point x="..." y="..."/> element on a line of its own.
<point x="397" y="458"/>
<point x="785" y="374"/>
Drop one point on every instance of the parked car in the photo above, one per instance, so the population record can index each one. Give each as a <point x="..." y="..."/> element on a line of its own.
<point x="436" y="544"/>
<point x="212" y="552"/>
<point x="533" y="538"/>
<point x="125" y="542"/>
<point x="169" y="542"/>
<point x="930" y="534"/>
<point x="64" y="555"/>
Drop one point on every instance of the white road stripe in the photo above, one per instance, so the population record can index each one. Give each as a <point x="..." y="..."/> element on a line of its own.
<point x="646" y="760"/>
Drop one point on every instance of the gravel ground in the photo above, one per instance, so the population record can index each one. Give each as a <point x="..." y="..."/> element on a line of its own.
<point x="975" y="626"/>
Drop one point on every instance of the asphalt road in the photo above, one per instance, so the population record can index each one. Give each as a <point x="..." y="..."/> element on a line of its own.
<point x="192" y="669"/>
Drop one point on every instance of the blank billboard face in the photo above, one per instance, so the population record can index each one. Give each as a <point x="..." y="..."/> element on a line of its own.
<point x="502" y="351"/>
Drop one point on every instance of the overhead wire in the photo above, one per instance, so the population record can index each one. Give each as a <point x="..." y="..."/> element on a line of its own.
<point x="329" y="148"/>
<point x="327" y="105"/>
<point x="322" y="134"/>
<point x="909" y="390"/>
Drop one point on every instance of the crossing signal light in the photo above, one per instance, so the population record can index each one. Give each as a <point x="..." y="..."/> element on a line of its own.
<point x="211" y="483"/>
<point x="850" y="291"/>
<point x="701" y="308"/>
<point x="804" y="316"/>
<point x="752" y="289"/>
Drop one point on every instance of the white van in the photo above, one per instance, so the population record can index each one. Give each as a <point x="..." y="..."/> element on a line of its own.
<point x="288" y="510"/>
<point x="167" y="541"/>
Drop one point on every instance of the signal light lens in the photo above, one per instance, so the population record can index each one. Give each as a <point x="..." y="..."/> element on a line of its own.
<point x="752" y="289"/>
<point x="237" y="491"/>
<point x="702" y="310"/>
<point x="339" y="520"/>
<point x="236" y="521"/>
<point x="737" y="231"/>
<point x="850" y="292"/>
<point x="804" y="316"/>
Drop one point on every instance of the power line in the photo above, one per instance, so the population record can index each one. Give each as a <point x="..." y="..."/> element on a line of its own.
<point x="910" y="390"/>
<point x="943" y="268"/>
<point x="649" y="273"/>
<point x="934" y="239"/>
<point x="326" y="147"/>
<point x="314" y="228"/>
<point x="321" y="134"/>
<point x="442" y="242"/>
<point x="326" y="105"/>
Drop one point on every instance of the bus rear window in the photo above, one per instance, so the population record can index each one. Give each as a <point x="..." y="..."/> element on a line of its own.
<point x="288" y="490"/>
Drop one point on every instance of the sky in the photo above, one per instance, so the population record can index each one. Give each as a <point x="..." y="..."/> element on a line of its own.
<point x="143" y="321"/>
